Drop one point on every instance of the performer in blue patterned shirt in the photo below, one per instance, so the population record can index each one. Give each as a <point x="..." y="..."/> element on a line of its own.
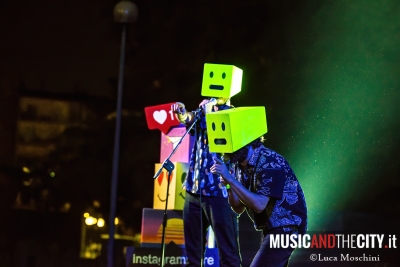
<point x="265" y="185"/>
<point x="206" y="196"/>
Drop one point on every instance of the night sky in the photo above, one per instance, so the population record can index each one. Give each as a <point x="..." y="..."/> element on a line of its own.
<point x="326" y="71"/>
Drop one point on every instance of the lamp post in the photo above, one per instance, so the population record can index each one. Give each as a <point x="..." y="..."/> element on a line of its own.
<point x="125" y="12"/>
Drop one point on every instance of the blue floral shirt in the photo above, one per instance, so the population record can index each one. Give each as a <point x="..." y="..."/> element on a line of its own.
<point x="199" y="178"/>
<point x="268" y="173"/>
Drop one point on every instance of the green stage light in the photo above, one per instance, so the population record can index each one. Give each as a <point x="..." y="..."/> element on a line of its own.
<point x="346" y="106"/>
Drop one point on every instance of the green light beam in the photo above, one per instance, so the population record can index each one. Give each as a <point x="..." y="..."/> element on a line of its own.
<point x="346" y="105"/>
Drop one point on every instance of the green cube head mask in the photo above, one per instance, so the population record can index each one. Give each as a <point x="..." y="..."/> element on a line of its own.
<point x="231" y="129"/>
<point x="221" y="80"/>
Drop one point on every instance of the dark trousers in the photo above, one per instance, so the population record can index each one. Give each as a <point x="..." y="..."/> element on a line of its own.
<point x="217" y="213"/>
<point x="272" y="257"/>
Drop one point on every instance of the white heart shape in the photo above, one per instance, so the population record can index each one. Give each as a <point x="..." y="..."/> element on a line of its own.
<point x="160" y="116"/>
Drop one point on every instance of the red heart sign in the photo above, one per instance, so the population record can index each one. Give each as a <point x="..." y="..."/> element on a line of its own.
<point x="161" y="117"/>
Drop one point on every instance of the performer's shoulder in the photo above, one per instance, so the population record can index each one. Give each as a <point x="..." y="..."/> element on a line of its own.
<point x="270" y="153"/>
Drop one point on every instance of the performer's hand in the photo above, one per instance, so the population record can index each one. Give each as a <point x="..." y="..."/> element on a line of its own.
<point x="206" y="106"/>
<point x="179" y="109"/>
<point x="220" y="168"/>
<point x="222" y="180"/>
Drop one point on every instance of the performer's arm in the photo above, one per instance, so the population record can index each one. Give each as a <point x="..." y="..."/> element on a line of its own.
<point x="253" y="201"/>
<point x="187" y="117"/>
<point x="234" y="201"/>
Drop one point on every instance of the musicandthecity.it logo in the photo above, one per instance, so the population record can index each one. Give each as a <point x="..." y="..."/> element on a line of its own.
<point x="331" y="241"/>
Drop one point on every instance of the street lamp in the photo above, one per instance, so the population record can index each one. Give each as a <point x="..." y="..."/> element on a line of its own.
<point x="125" y="12"/>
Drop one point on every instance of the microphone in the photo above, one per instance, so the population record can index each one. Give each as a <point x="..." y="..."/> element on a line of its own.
<point x="212" y="101"/>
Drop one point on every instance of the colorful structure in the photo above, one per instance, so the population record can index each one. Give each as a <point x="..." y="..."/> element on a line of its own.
<point x="152" y="219"/>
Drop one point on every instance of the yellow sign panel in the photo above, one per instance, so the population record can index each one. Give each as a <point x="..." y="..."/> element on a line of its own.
<point x="176" y="197"/>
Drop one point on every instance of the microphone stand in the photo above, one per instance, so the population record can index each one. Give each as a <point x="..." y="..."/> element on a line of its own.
<point x="169" y="166"/>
